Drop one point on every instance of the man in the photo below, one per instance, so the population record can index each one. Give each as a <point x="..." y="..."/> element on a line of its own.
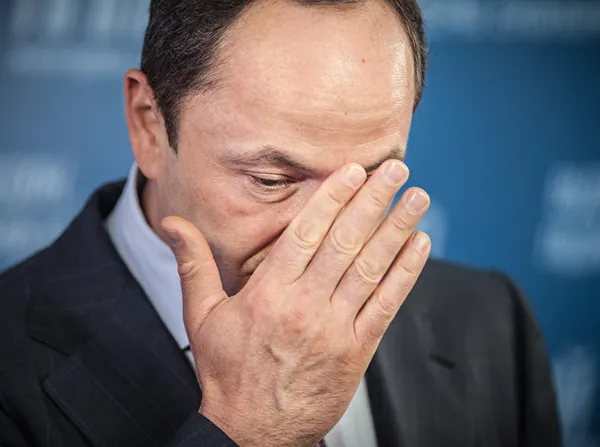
<point x="268" y="139"/>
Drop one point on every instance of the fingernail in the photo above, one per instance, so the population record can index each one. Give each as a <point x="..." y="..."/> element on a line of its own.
<point x="416" y="202"/>
<point x="173" y="237"/>
<point x="395" y="173"/>
<point x="421" y="242"/>
<point x="354" y="176"/>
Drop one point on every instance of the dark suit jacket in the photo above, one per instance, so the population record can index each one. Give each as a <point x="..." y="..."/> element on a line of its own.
<point x="86" y="361"/>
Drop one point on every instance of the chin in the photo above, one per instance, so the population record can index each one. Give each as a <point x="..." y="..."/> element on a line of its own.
<point x="236" y="284"/>
<point x="234" y="290"/>
<point x="234" y="281"/>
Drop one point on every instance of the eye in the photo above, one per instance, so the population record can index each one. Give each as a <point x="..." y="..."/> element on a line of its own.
<point x="271" y="184"/>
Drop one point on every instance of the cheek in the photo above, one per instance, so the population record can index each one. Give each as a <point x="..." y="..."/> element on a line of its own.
<point x="172" y="194"/>
<point x="298" y="201"/>
<point x="237" y="226"/>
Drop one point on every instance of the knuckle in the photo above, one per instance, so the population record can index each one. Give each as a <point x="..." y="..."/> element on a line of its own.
<point x="387" y="307"/>
<point x="305" y="235"/>
<point x="261" y="310"/>
<point x="337" y="196"/>
<point x="344" y="240"/>
<point x="189" y="274"/>
<point x="188" y="271"/>
<point x="408" y="269"/>
<point x="369" y="271"/>
<point x="297" y="320"/>
<point x="379" y="198"/>
<point x="400" y="222"/>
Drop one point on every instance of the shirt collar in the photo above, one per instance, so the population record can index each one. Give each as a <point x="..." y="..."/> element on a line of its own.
<point x="148" y="258"/>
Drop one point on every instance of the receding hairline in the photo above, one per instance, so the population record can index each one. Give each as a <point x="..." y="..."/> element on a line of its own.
<point x="216" y="75"/>
<point x="183" y="46"/>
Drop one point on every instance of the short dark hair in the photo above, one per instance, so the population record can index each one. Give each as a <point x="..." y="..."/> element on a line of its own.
<point x="183" y="37"/>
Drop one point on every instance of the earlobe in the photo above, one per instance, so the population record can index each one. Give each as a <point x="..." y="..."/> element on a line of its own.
<point x="144" y="122"/>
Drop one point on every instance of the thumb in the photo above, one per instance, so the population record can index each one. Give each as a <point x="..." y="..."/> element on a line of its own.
<point x="200" y="280"/>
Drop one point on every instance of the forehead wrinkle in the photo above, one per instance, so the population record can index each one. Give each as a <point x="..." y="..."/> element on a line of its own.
<point x="343" y="110"/>
<point x="398" y="143"/>
<point x="331" y="99"/>
<point x="331" y="121"/>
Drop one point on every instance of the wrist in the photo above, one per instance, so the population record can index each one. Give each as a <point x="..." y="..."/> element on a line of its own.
<point x="230" y="421"/>
<point x="247" y="429"/>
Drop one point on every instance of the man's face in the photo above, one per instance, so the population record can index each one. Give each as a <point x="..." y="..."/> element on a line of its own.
<point x="306" y="90"/>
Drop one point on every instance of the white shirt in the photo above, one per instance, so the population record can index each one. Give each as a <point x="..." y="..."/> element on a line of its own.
<point x="153" y="265"/>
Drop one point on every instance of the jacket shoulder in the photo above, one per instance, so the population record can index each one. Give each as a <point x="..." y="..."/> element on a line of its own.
<point x="442" y="274"/>
<point x="15" y="298"/>
<point x="475" y="300"/>
<point x="17" y="282"/>
<point x="465" y="285"/>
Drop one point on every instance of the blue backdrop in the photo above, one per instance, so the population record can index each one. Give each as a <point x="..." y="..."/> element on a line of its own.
<point x="507" y="142"/>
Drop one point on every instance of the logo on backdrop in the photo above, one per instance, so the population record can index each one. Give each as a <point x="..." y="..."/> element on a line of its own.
<point x="567" y="241"/>
<point x="512" y="19"/>
<point x="36" y="199"/>
<point x="75" y="38"/>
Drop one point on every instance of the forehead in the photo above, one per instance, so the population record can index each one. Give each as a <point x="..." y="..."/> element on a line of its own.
<point x="325" y="76"/>
<point x="351" y="55"/>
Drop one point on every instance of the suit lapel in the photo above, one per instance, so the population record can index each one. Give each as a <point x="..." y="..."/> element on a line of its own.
<point x="418" y="381"/>
<point x="130" y="385"/>
<point x="125" y="381"/>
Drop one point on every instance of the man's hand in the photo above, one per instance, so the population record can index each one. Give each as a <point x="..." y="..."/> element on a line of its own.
<point x="279" y="362"/>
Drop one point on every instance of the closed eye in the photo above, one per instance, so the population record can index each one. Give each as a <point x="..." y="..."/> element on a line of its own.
<point x="271" y="184"/>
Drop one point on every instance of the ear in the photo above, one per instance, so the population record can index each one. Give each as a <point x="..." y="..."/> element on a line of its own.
<point x="145" y="123"/>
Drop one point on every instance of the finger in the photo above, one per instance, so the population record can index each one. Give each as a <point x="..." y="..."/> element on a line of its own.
<point x="354" y="226"/>
<point x="302" y="238"/>
<point x="200" y="280"/>
<point x="376" y="257"/>
<point x="378" y="312"/>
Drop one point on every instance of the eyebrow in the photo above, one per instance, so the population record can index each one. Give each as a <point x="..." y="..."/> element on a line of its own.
<point x="276" y="156"/>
